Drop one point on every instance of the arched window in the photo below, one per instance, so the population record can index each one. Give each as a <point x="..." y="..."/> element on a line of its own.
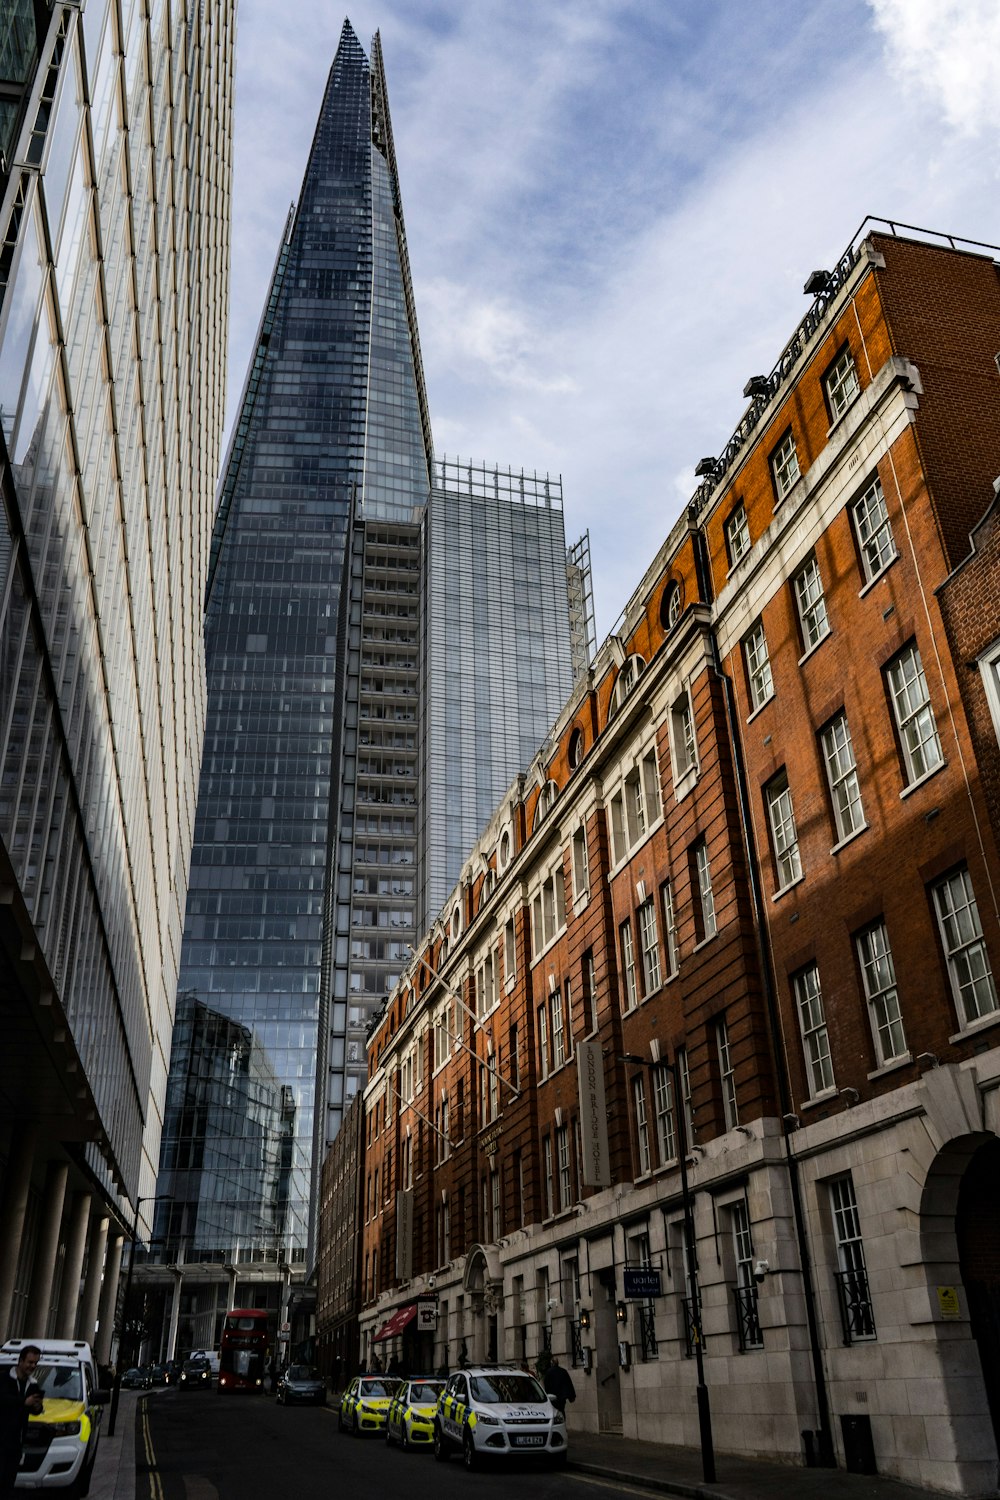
<point x="629" y="675"/>
<point x="576" y="748"/>
<point x="546" y="801"/>
<point x="670" y="606"/>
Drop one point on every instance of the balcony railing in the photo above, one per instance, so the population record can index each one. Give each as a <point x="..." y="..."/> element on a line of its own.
<point x="747" y="1321"/>
<point x="646" y="1315"/>
<point x="855" y="1305"/>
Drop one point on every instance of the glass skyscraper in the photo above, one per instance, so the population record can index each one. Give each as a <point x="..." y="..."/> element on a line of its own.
<point x="115" y="167"/>
<point x="324" y="588"/>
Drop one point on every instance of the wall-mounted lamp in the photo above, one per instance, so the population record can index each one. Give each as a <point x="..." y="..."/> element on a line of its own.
<point x="621" y="1312"/>
<point x="818" y="283"/>
<point x="756" y="386"/>
<point x="850" y="1096"/>
<point x="704" y="467"/>
<point x="929" y="1057"/>
<point x="584" y="1318"/>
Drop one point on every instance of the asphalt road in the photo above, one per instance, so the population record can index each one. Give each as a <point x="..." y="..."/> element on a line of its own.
<point x="201" y="1446"/>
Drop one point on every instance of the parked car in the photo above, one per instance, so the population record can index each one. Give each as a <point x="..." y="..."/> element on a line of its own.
<point x="497" y="1411"/>
<point x="158" y="1374"/>
<point x="299" y="1383"/>
<point x="365" y="1403"/>
<point x="60" y="1446"/>
<point x="136" y="1379"/>
<point x="410" y="1418"/>
<point x="196" y="1375"/>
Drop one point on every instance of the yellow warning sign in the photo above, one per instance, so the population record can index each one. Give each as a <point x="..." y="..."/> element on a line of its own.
<point x="948" y="1302"/>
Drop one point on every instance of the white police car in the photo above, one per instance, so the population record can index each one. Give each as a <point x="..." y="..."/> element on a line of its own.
<point x="497" y="1411"/>
<point x="60" y="1445"/>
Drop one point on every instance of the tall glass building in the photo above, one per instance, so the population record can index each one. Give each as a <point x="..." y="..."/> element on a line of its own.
<point x="115" y="169"/>
<point x="325" y="584"/>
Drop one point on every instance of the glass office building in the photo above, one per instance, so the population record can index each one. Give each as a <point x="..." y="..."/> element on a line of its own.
<point x="305" y="883"/>
<point x="114" y="273"/>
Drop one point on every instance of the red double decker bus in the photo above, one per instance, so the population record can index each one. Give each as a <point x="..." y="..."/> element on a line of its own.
<point x="244" y="1350"/>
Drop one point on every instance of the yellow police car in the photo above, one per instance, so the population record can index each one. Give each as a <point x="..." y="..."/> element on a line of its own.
<point x="497" y="1411"/>
<point x="411" y="1413"/>
<point x="60" y="1445"/>
<point x="365" y="1404"/>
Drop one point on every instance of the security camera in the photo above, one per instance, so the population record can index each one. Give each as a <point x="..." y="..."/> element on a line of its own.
<point x="432" y="1282"/>
<point x="551" y="1303"/>
<point x="760" y="1270"/>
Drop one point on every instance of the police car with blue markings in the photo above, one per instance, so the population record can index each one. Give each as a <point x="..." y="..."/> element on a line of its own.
<point x="497" y="1411"/>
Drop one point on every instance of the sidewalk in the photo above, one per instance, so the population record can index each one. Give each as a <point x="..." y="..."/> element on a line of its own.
<point x="114" y="1470"/>
<point x="678" y="1471"/>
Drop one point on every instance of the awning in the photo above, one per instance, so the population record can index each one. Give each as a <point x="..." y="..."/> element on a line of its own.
<point x="400" y="1319"/>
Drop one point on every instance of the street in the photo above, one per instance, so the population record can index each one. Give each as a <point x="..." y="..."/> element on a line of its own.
<point x="208" y="1447"/>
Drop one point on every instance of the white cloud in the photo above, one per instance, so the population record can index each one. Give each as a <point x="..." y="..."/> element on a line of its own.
<point x="949" y="51"/>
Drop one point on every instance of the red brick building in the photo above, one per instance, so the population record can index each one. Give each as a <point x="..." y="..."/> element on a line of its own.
<point x="746" y="897"/>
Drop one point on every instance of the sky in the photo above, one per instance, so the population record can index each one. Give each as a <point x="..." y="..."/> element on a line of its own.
<point x="611" y="207"/>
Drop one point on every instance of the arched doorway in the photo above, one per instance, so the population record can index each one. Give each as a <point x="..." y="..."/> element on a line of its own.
<point x="977" y="1229"/>
<point x="483" y="1281"/>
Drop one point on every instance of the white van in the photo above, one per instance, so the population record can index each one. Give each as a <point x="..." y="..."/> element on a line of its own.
<point x="212" y="1355"/>
<point x="61" y="1443"/>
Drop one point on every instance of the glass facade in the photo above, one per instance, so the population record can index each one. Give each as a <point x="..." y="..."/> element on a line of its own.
<point x="327" y="575"/>
<point x="114" y="270"/>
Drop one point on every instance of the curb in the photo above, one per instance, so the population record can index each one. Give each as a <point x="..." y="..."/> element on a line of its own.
<point x="649" y="1482"/>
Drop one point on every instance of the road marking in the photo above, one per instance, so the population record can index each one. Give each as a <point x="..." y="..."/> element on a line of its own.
<point x="155" y="1482"/>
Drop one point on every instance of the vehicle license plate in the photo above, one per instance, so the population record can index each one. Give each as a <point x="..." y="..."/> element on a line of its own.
<point x="528" y="1440"/>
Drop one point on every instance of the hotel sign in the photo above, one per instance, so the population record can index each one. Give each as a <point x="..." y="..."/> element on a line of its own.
<point x="404" y="1235"/>
<point x="593" y="1115"/>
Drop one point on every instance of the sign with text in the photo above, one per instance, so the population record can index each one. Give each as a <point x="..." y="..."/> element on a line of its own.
<point x="641" y="1281"/>
<point x="593" y="1115"/>
<point x="404" y="1235"/>
<point x="427" y="1315"/>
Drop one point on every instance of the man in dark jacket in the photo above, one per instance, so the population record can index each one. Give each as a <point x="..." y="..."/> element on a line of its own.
<point x="20" y="1398"/>
<point x="559" y="1385"/>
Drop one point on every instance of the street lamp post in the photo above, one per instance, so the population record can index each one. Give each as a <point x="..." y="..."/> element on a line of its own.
<point x="691" y="1258"/>
<point x="117" y="1385"/>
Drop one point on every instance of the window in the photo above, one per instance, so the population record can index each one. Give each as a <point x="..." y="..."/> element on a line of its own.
<point x="513" y="1061"/>
<point x="874" y="533"/>
<point x="812" y="1025"/>
<point x="641" y="1124"/>
<point x="631" y="671"/>
<point x="784" y="837"/>
<point x="543" y="1041"/>
<point x="509" y="950"/>
<point x="670" y="606"/>
<point x="558" y="1029"/>
<point x="704" y="912"/>
<point x="493" y="1078"/>
<point x="911" y="706"/>
<point x="569" y="1018"/>
<point x="737" y="535"/>
<point x="666" y="1125"/>
<point x="496" y="1225"/>
<point x="758" y="666"/>
<point x="649" y="946"/>
<point x="727" y="1076"/>
<point x="879" y="978"/>
<point x="682" y="738"/>
<point x="747" y="1320"/>
<point x="629" y="979"/>
<point x="581" y="866"/>
<point x="811" y="604"/>
<point x="636" y="807"/>
<point x="547" y="1179"/>
<point x="669" y="927"/>
<point x="565" y="1175"/>
<point x="590" y="988"/>
<point x="785" y="465"/>
<point x="840" y="383"/>
<point x="852" y="1277"/>
<point x="842" y="777"/>
<point x="486" y="989"/>
<point x="965" y="951"/>
<point x="548" y="911"/>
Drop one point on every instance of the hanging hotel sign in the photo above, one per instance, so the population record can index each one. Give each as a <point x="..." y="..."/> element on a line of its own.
<point x="404" y="1235"/>
<point x="593" y="1115"/>
<point x="489" y="1141"/>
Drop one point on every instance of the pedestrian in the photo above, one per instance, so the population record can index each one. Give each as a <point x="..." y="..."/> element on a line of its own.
<point x="20" y="1398"/>
<point x="559" y="1385"/>
<point x="394" y="1367"/>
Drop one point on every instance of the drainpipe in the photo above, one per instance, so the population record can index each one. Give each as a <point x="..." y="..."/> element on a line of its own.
<point x="825" y="1454"/>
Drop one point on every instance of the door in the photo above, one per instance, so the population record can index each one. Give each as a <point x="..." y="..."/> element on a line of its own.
<point x="607" y="1369"/>
<point x="977" y="1228"/>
